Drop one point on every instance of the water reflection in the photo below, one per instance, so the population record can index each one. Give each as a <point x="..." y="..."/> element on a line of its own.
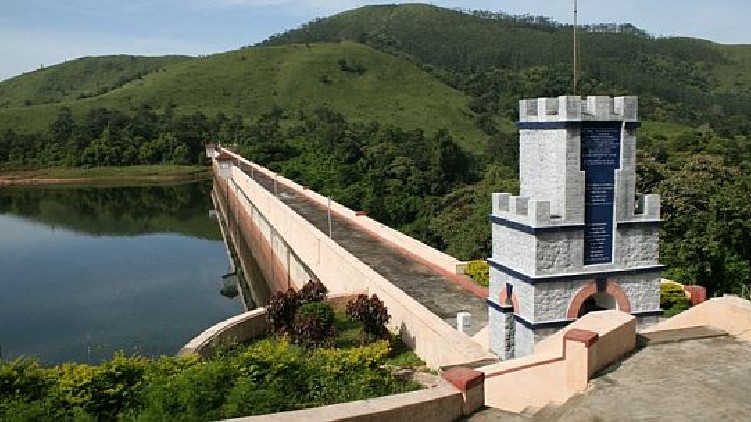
<point x="126" y="210"/>
<point x="87" y="271"/>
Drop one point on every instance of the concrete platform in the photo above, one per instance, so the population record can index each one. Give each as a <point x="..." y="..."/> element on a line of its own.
<point x="673" y="379"/>
<point x="426" y="285"/>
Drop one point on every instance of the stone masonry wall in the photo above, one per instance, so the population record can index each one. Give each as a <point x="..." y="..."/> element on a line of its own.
<point x="637" y="246"/>
<point x="511" y="248"/>
<point x="542" y="167"/>
<point x="643" y="291"/>
<point x="559" y="252"/>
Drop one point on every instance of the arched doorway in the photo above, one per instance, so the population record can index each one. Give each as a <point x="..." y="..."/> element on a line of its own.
<point x="598" y="296"/>
<point x="597" y="302"/>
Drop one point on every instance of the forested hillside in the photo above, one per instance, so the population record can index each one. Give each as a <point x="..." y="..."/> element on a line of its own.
<point x="499" y="59"/>
<point x="406" y="111"/>
<point x="358" y="81"/>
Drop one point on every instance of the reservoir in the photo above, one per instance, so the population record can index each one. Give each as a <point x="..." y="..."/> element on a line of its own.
<point x="87" y="271"/>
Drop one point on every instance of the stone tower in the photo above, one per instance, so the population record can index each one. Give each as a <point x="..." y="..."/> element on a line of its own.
<point x="578" y="238"/>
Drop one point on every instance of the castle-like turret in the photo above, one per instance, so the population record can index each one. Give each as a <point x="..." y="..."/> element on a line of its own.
<point x="578" y="238"/>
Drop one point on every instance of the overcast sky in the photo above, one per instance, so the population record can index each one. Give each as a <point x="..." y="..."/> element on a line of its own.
<point x="47" y="32"/>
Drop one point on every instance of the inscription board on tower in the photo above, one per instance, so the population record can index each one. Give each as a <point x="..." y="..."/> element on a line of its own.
<point x="600" y="157"/>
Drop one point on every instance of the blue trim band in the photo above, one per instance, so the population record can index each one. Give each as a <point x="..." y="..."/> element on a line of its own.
<point x="555" y="324"/>
<point x="585" y="276"/>
<point x="647" y="313"/>
<point x="534" y="230"/>
<point x="542" y="325"/>
<point x="567" y="228"/>
<point x="500" y="308"/>
<point x="574" y="125"/>
<point x="636" y="223"/>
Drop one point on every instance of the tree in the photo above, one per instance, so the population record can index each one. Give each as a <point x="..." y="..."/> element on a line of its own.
<point x="706" y="235"/>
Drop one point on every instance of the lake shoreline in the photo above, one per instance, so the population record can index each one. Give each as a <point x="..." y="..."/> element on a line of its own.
<point x="104" y="175"/>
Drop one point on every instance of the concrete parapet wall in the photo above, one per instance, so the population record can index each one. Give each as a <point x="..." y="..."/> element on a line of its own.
<point x="562" y="363"/>
<point x="432" y="255"/>
<point x="730" y="314"/>
<point x="439" y="344"/>
<point x="238" y="329"/>
<point x="442" y="403"/>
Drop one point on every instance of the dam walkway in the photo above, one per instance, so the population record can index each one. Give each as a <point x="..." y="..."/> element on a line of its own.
<point x="442" y="293"/>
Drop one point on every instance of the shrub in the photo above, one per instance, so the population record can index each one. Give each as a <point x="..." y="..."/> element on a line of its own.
<point x="671" y="294"/>
<point x="314" y="325"/>
<point x="102" y="391"/>
<point x="280" y="312"/>
<point x="479" y="271"/>
<point x="25" y="378"/>
<point x="323" y="310"/>
<point x="270" y="375"/>
<point x="195" y="394"/>
<point x="372" y="313"/>
<point x="673" y="299"/>
<point x="312" y="291"/>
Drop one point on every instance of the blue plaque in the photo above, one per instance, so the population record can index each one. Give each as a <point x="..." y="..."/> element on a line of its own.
<point x="600" y="157"/>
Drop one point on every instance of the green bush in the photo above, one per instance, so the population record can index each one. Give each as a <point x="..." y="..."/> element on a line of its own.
<point x="673" y="299"/>
<point x="271" y="375"/>
<point x="324" y="311"/>
<point x="24" y="378"/>
<point x="671" y="294"/>
<point x="479" y="271"/>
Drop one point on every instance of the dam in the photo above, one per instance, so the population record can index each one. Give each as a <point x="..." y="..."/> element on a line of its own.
<point x="295" y="235"/>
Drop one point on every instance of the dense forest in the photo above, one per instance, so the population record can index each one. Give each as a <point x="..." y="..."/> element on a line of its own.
<point x="420" y="174"/>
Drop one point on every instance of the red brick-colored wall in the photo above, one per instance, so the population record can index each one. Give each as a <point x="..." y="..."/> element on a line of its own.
<point x="273" y="269"/>
<point x="698" y="294"/>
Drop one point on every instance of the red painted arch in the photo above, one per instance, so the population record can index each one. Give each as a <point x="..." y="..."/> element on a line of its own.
<point x="613" y="289"/>
<point x="503" y="300"/>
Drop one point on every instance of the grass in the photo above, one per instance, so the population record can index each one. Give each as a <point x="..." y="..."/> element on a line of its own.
<point x="82" y="77"/>
<point x="254" y="80"/>
<point x="734" y="75"/>
<point x="667" y="129"/>
<point x="350" y="334"/>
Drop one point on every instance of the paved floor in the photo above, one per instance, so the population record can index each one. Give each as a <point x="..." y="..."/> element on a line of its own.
<point x="694" y="380"/>
<point x="424" y="284"/>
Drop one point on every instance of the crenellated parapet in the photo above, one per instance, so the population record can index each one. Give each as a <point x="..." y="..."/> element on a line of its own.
<point x="573" y="109"/>
<point x="524" y="211"/>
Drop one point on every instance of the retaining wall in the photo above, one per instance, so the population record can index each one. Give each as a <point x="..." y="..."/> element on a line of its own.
<point x="562" y="364"/>
<point x="730" y="314"/>
<point x="243" y="328"/>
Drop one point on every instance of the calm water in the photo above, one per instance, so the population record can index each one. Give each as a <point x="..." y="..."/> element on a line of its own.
<point x="88" y="271"/>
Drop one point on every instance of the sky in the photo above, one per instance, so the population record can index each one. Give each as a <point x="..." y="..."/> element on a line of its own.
<point x="35" y="33"/>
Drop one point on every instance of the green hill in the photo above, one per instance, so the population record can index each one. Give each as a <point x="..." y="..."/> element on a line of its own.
<point x="80" y="78"/>
<point x="358" y="81"/>
<point x="498" y="59"/>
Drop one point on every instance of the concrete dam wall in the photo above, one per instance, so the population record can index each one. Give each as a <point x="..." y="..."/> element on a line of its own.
<point x="290" y="251"/>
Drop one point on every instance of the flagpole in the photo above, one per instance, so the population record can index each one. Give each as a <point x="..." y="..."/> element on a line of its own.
<point x="576" y="55"/>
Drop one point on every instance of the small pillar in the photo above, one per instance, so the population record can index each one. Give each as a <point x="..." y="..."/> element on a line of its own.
<point x="211" y="150"/>
<point x="579" y="355"/>
<point x="472" y="385"/>
<point x="225" y="162"/>
<point x="463" y="321"/>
